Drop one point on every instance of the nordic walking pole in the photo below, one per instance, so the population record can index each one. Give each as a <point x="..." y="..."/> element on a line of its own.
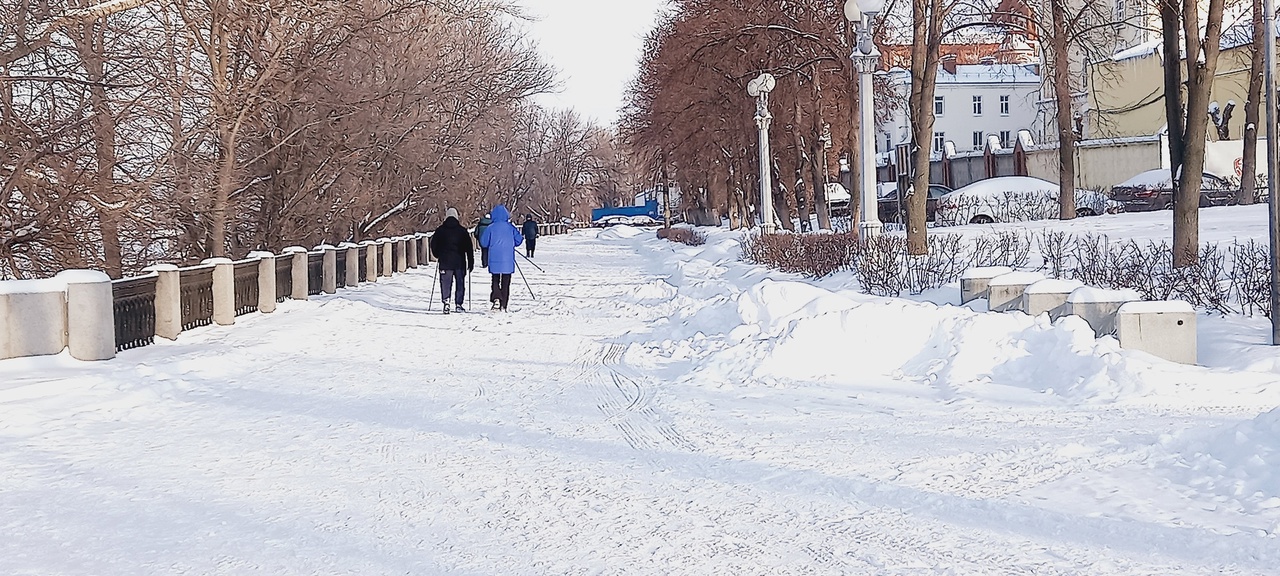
<point x="431" y="302"/>
<point x="531" y="262"/>
<point x="526" y="282"/>
<point x="470" y="292"/>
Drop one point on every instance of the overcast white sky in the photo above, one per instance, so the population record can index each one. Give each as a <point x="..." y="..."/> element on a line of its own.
<point x="595" y="44"/>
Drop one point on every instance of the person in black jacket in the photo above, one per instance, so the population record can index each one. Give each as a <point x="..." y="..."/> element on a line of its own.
<point x="452" y="248"/>
<point x="530" y="232"/>
<point x="484" y="252"/>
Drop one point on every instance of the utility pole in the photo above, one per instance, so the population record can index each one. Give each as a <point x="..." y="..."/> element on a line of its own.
<point x="1273" y="154"/>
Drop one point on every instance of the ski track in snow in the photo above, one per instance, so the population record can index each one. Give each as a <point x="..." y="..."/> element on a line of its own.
<point x="363" y="434"/>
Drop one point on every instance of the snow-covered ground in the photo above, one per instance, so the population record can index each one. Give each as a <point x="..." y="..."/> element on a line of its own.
<point x="659" y="409"/>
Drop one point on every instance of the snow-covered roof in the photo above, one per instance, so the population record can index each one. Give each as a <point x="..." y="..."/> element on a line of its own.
<point x="989" y="74"/>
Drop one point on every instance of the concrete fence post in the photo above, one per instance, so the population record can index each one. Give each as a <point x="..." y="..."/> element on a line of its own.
<point x="33" y="318"/>
<point x="385" y="248"/>
<point x="329" y="275"/>
<point x="298" y="271"/>
<point x="353" y="264"/>
<point x="412" y="249"/>
<point x="91" y="324"/>
<point x="266" y="281"/>
<point x="400" y="259"/>
<point x="168" y="300"/>
<point x="224" y="291"/>
<point x="370" y="260"/>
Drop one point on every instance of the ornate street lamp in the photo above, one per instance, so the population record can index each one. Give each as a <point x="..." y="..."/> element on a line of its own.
<point x="866" y="59"/>
<point x="759" y="89"/>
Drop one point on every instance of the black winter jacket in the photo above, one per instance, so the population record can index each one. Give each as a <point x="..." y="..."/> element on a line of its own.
<point x="530" y="229"/>
<point x="451" y="245"/>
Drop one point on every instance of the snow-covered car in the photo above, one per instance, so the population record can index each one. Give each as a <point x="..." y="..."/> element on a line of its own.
<point x="838" y="198"/>
<point x="1153" y="190"/>
<point x="1015" y="199"/>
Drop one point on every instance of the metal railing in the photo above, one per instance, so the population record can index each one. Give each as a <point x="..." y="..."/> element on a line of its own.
<point x="395" y="256"/>
<point x="284" y="277"/>
<point x="315" y="272"/>
<point x="364" y="262"/>
<point x="246" y="286"/>
<point x="134" y="306"/>
<point x="382" y="265"/>
<point x="196" y="287"/>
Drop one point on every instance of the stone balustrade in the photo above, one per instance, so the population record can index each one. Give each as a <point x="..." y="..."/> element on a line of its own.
<point x="92" y="317"/>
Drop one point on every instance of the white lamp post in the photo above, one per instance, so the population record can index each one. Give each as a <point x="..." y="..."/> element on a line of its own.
<point x="866" y="59"/>
<point x="759" y="89"/>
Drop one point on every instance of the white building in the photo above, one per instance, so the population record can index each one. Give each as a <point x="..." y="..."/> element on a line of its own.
<point x="970" y="103"/>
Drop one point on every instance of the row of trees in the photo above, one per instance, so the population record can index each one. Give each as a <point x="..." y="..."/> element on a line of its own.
<point x="688" y="111"/>
<point x="141" y="131"/>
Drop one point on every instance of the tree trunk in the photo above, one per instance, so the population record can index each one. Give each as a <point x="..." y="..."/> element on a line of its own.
<point x="1249" y="161"/>
<point x="1066" y="128"/>
<point x="1186" y="200"/>
<point x="90" y="41"/>
<point x="819" y="157"/>
<point x="797" y="139"/>
<point x="925" y="48"/>
<point x="1170" y="17"/>
<point x="853" y="139"/>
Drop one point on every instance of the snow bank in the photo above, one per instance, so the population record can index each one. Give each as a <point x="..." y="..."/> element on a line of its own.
<point x="1240" y="464"/>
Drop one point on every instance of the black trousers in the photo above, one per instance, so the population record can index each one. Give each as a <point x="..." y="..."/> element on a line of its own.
<point x="501" y="289"/>
<point x="529" y="245"/>
<point x="446" y="285"/>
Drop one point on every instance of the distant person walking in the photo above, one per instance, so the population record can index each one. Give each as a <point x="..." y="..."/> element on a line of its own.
<point x="484" y="252"/>
<point x="451" y="245"/>
<point x="501" y="238"/>
<point x="530" y="230"/>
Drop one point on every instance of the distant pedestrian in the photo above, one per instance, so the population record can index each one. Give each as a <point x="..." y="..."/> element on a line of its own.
<point x="451" y="246"/>
<point x="501" y="237"/>
<point x="484" y="252"/>
<point x="530" y="230"/>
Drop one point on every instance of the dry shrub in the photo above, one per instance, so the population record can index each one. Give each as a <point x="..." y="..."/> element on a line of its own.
<point x="689" y="236"/>
<point x="813" y="255"/>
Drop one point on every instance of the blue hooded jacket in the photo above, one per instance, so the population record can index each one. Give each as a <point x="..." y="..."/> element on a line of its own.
<point x="501" y="238"/>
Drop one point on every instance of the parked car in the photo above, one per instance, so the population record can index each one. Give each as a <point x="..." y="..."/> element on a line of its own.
<point x="838" y="198"/>
<point x="888" y="202"/>
<point x="1015" y="199"/>
<point x="1153" y="190"/>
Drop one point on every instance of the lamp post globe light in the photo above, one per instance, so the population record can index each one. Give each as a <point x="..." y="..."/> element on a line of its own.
<point x="760" y="89"/>
<point x="866" y="59"/>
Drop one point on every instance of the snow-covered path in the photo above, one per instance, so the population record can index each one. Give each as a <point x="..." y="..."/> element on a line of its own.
<point x="632" y="420"/>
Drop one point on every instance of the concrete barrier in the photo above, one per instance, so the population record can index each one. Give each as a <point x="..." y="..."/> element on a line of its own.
<point x="33" y="318"/>
<point x="352" y="278"/>
<point x="224" y="291"/>
<point x="1049" y="296"/>
<point x="1165" y="329"/>
<point x="298" y="272"/>
<point x="329" y="270"/>
<point x="401" y="257"/>
<point x="412" y="249"/>
<point x="974" y="281"/>
<point x="266" y="281"/>
<point x="370" y="260"/>
<point x="385" y="249"/>
<point x="168" y="300"/>
<point x="1004" y="292"/>
<point x="91" y="324"/>
<point x="1098" y="307"/>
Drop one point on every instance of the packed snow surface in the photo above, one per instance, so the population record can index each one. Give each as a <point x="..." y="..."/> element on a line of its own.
<point x="658" y="409"/>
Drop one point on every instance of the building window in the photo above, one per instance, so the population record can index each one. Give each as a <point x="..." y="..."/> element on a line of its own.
<point x="937" y="105"/>
<point x="977" y="140"/>
<point x="1004" y="105"/>
<point x="977" y="105"/>
<point x="1004" y="139"/>
<point x="939" y="139"/>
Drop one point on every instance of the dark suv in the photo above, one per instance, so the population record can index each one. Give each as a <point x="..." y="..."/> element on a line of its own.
<point x="1153" y="190"/>
<point x="888" y="204"/>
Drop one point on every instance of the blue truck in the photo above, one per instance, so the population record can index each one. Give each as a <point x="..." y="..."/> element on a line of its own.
<point x="626" y="214"/>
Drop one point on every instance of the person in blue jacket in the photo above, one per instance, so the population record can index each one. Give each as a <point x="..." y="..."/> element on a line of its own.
<point x="501" y="238"/>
